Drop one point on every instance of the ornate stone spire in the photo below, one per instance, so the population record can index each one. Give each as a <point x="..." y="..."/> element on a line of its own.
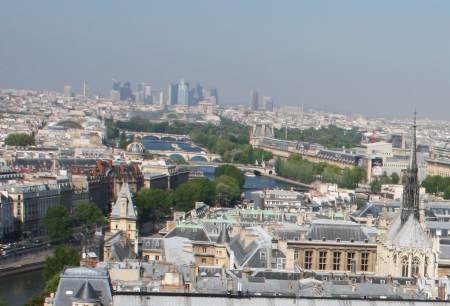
<point x="410" y="204"/>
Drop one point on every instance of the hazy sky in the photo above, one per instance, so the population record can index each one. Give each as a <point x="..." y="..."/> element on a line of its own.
<point x="371" y="57"/>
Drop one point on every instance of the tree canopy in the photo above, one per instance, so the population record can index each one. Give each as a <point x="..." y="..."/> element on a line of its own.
<point x="437" y="184"/>
<point x="59" y="223"/>
<point x="196" y="190"/>
<point x="227" y="190"/>
<point x="65" y="255"/>
<point x="297" y="168"/>
<point x="20" y="139"/>
<point x="153" y="204"/>
<point x="88" y="215"/>
<point x="330" y="136"/>
<point x="231" y="171"/>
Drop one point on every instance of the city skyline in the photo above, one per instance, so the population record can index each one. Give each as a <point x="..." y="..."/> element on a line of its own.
<point x="376" y="59"/>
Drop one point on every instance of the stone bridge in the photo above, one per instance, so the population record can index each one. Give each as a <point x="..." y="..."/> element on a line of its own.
<point x="188" y="156"/>
<point x="158" y="136"/>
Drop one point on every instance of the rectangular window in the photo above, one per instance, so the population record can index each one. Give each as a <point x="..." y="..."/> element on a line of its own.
<point x="336" y="260"/>
<point x="203" y="250"/>
<point x="308" y="260"/>
<point x="295" y="254"/>
<point x="322" y="260"/>
<point x="350" y="258"/>
<point x="364" y="261"/>
<point x="203" y="260"/>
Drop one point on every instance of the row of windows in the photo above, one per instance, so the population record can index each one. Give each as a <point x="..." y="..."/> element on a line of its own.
<point x="337" y="263"/>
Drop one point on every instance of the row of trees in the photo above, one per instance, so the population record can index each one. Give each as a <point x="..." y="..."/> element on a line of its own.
<point x="297" y="168"/>
<point x="229" y="139"/>
<point x="375" y="185"/>
<point x="60" y="223"/>
<point x="155" y="204"/>
<point x="330" y="136"/>
<point x="20" y="139"/>
<point x="436" y="184"/>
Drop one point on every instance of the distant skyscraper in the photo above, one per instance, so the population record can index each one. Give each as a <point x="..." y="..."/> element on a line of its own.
<point x="126" y="93"/>
<point x="254" y="100"/>
<point x="85" y="89"/>
<point x="183" y="92"/>
<point x="147" y="94"/>
<point x="267" y="103"/>
<point x="67" y="90"/>
<point x="172" y="94"/>
<point x="215" y="93"/>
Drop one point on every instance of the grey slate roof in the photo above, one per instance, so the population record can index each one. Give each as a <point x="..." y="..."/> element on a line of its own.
<point x="194" y="233"/>
<point x="79" y="283"/>
<point x="332" y="230"/>
<point x="86" y="293"/>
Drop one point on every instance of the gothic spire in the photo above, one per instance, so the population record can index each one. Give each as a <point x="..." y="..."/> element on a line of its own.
<point x="410" y="203"/>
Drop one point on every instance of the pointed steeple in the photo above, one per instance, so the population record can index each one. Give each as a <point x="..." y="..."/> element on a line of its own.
<point x="410" y="203"/>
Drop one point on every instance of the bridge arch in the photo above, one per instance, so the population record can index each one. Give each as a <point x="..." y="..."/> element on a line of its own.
<point x="199" y="158"/>
<point x="217" y="160"/>
<point x="168" y="138"/>
<point x="176" y="157"/>
<point x="150" y="137"/>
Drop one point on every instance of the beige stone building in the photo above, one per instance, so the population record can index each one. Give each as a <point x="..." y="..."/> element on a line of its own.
<point x="333" y="246"/>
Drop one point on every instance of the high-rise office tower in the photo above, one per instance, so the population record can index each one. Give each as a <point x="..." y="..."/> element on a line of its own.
<point x="67" y="90"/>
<point x="193" y="100"/>
<point x="215" y="93"/>
<point x="85" y="89"/>
<point x="172" y="94"/>
<point x="254" y="100"/>
<point x="116" y="85"/>
<point x="267" y="103"/>
<point x="147" y="94"/>
<point x="126" y="94"/>
<point x="199" y="91"/>
<point x="183" y="92"/>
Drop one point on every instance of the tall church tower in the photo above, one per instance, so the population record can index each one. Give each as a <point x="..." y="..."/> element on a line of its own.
<point x="123" y="217"/>
<point x="407" y="249"/>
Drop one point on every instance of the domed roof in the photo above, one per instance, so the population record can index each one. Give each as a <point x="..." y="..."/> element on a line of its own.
<point x="135" y="148"/>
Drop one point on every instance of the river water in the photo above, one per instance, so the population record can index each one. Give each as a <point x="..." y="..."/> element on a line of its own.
<point x="17" y="289"/>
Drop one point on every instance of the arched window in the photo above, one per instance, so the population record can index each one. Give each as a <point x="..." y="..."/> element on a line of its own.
<point x="425" y="268"/>
<point x="415" y="266"/>
<point x="405" y="267"/>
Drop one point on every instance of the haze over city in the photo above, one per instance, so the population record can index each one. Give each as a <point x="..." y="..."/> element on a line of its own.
<point x="381" y="58"/>
<point x="224" y="152"/>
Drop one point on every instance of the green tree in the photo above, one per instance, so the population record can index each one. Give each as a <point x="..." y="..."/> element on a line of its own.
<point x="196" y="190"/>
<point x="153" y="204"/>
<point x="88" y="215"/>
<point x="65" y="255"/>
<point x="231" y="171"/>
<point x="20" y="139"/>
<point x="395" y="178"/>
<point x="447" y="193"/>
<point x="227" y="190"/>
<point x="375" y="185"/>
<point x="2" y="302"/>
<point x="59" y="223"/>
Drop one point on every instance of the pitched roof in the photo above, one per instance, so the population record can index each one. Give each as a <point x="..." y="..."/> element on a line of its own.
<point x="86" y="293"/>
<point x="332" y="230"/>
<point x="410" y="234"/>
<point x="124" y="208"/>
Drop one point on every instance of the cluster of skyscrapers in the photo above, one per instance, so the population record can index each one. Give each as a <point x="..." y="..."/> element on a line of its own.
<point x="178" y="93"/>
<point x="265" y="105"/>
